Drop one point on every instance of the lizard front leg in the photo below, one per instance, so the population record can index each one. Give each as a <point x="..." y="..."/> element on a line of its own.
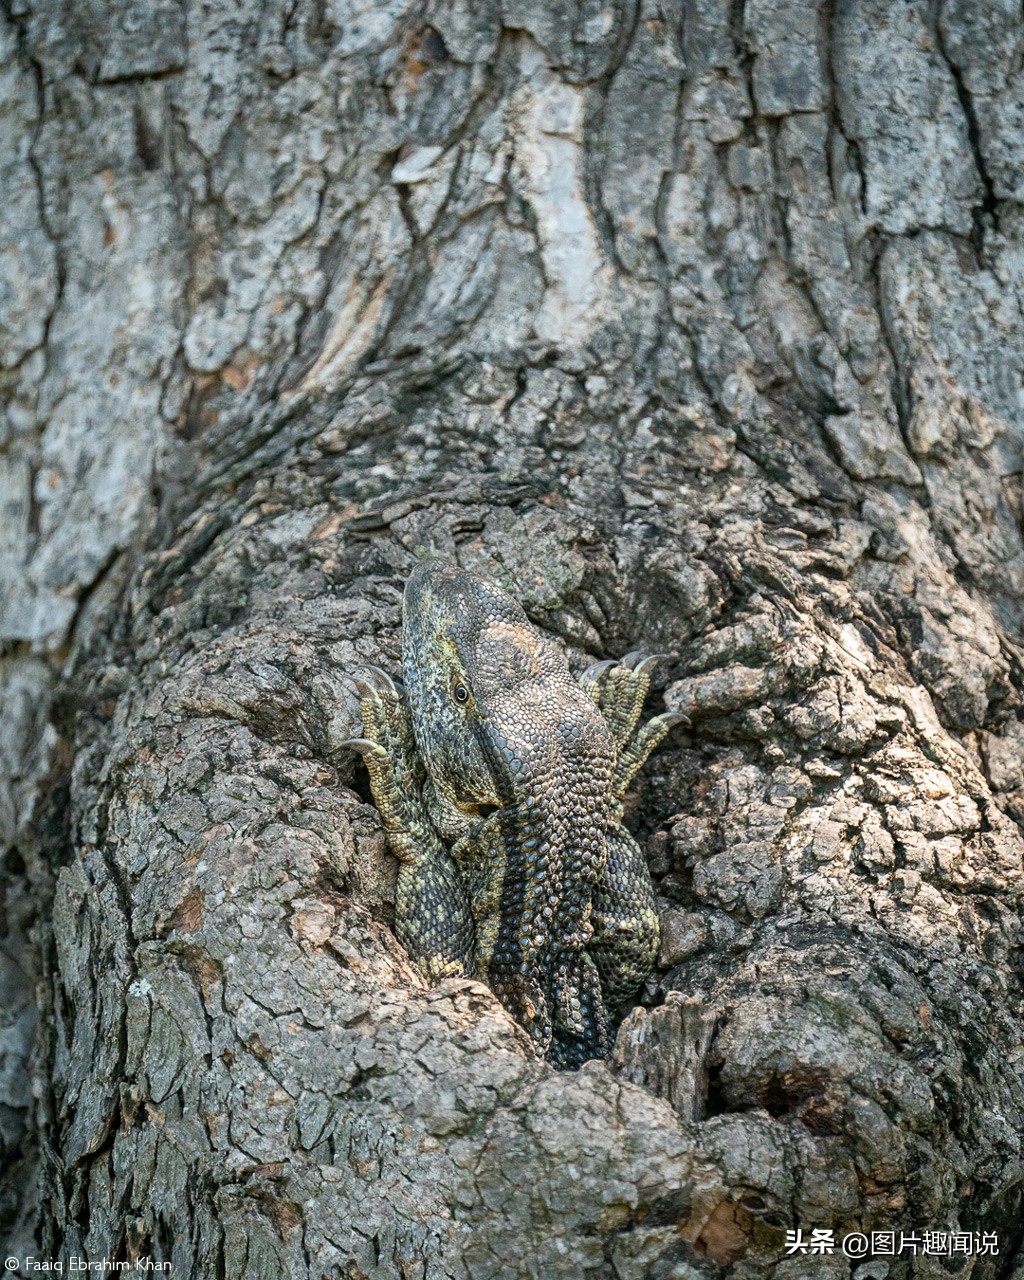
<point x="433" y="920"/>
<point x="625" y="940"/>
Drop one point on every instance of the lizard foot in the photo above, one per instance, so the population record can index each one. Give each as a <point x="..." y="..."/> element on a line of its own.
<point x="388" y="748"/>
<point x="619" y="689"/>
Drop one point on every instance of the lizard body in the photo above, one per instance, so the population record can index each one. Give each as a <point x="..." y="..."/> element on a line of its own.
<point x="500" y="780"/>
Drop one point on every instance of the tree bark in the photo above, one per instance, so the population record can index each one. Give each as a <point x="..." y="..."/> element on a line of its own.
<point x="698" y="327"/>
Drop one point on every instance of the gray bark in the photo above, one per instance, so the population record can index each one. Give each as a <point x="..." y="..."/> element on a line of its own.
<point x="697" y="326"/>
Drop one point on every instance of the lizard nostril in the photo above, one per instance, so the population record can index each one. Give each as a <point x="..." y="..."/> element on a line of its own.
<point x="477" y="810"/>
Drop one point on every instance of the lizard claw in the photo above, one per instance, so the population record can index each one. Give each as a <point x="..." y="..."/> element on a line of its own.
<point x="671" y="719"/>
<point x="363" y="746"/>
<point x="361" y="687"/>
<point x="374" y="681"/>
<point x="596" y="670"/>
<point x="649" y="661"/>
<point x="637" y="661"/>
<point x="382" y="677"/>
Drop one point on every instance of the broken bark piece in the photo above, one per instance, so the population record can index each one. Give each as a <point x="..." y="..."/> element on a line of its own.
<point x="666" y="1051"/>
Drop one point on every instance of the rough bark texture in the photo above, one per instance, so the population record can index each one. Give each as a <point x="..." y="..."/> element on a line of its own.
<point x="699" y="327"/>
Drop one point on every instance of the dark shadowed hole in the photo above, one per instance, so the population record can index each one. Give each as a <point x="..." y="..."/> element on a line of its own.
<point x="715" y="1104"/>
<point x="14" y="863"/>
<point x="360" y="784"/>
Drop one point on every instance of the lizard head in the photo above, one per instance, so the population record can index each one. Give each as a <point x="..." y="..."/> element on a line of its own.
<point x="500" y="722"/>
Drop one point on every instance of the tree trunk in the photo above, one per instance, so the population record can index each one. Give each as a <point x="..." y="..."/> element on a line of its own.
<point x="696" y="326"/>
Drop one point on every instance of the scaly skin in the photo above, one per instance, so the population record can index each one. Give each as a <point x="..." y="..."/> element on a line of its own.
<point x="500" y="781"/>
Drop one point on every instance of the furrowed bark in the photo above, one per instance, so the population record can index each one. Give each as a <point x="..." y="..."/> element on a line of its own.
<point x="696" y="326"/>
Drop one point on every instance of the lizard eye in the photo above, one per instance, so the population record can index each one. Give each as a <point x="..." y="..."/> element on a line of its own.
<point x="461" y="693"/>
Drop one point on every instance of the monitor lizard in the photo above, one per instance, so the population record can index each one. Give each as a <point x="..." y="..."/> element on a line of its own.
<point x="500" y="779"/>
